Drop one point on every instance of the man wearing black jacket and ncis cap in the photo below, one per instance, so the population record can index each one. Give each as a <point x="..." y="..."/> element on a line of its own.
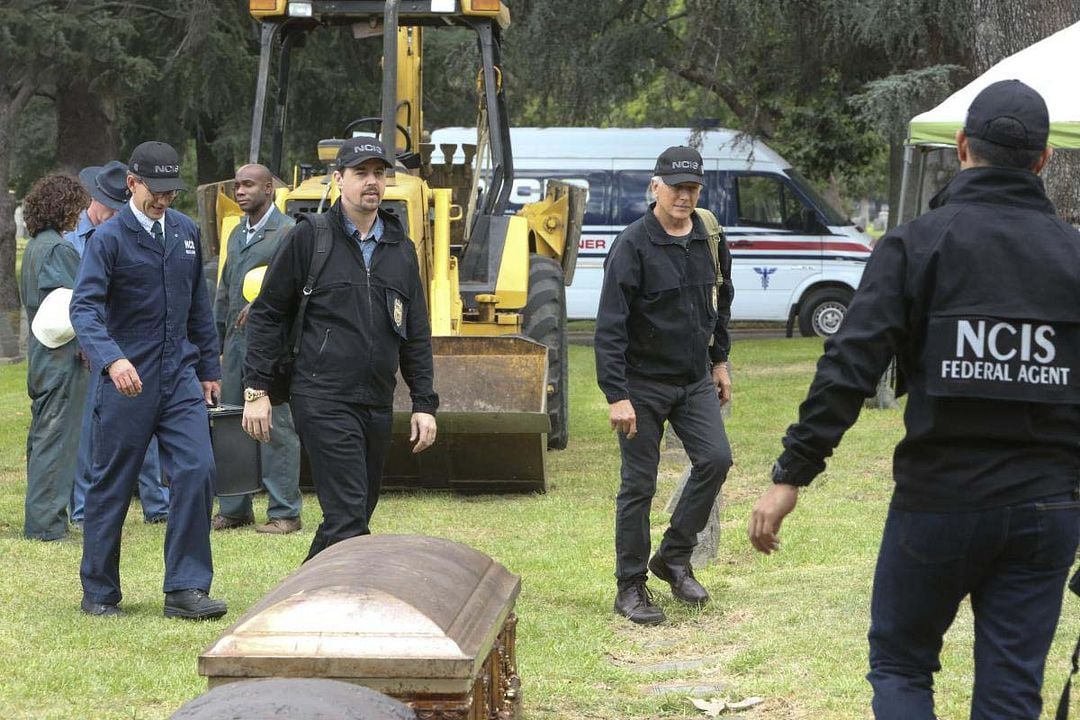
<point x="979" y="301"/>
<point x="366" y="315"/>
<point x="661" y="355"/>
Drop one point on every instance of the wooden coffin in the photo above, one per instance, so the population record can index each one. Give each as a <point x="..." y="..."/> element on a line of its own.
<point x="424" y="620"/>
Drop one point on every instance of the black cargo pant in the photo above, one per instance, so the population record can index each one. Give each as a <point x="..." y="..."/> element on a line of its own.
<point x="694" y="413"/>
<point x="346" y="445"/>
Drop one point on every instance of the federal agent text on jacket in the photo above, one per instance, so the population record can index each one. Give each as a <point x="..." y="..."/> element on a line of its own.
<point x="141" y="300"/>
<point x="661" y="348"/>
<point x="978" y="299"/>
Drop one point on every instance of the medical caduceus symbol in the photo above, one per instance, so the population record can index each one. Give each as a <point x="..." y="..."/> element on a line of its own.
<point x="764" y="272"/>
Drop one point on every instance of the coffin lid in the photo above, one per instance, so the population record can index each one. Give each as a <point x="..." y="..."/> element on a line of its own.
<point x="408" y="609"/>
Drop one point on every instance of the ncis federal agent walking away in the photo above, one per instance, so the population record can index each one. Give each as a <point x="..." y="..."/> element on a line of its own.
<point x="143" y="317"/>
<point x="364" y="314"/>
<point x="661" y="356"/>
<point x="979" y="301"/>
<point x="249" y="247"/>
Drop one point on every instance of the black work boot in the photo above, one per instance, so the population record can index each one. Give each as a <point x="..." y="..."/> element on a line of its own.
<point x="684" y="586"/>
<point x="193" y="604"/>
<point x="635" y="603"/>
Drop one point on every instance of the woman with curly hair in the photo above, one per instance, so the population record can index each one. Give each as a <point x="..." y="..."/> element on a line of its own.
<point x="55" y="378"/>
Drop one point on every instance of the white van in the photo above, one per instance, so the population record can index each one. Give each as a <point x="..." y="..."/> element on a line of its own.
<point x="793" y="255"/>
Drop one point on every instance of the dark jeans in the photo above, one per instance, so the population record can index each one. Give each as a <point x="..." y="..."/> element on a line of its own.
<point x="694" y="413"/>
<point x="1012" y="561"/>
<point x="346" y="444"/>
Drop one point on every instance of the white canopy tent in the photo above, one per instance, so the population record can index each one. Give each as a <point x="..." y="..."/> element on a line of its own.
<point x="1050" y="66"/>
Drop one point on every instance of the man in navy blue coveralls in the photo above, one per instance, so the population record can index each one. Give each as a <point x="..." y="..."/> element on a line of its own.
<point x="142" y="315"/>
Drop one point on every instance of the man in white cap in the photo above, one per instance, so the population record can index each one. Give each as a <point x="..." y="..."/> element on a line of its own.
<point x="107" y="186"/>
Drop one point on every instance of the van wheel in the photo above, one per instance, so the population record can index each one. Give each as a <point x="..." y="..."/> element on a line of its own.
<point x="822" y="311"/>
<point x="545" y="321"/>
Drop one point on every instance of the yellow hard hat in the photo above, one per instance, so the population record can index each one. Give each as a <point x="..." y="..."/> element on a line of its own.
<point x="253" y="282"/>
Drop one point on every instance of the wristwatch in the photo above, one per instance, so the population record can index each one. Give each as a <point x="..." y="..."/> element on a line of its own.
<point x="251" y="395"/>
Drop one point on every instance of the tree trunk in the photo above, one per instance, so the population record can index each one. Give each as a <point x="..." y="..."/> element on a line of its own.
<point x="12" y="101"/>
<point x="1004" y="28"/>
<point x="86" y="131"/>
<point x="213" y="166"/>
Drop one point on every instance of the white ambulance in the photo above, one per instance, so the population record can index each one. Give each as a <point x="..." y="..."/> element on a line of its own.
<point x="794" y="257"/>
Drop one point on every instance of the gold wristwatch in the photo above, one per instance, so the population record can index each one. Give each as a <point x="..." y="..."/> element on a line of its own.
<point x="251" y="395"/>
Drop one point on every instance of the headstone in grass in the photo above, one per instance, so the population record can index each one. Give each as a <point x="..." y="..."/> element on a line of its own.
<point x="708" y="540"/>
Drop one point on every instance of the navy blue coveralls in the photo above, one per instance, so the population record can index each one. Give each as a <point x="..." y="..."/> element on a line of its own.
<point x="136" y="300"/>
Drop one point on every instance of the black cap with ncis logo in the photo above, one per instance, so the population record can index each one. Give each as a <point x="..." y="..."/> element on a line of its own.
<point x="680" y="164"/>
<point x="358" y="150"/>
<point x="158" y="166"/>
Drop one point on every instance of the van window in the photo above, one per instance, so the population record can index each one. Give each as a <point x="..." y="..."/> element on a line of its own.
<point x="767" y="201"/>
<point x="598" y="189"/>
<point x="530" y="186"/>
<point x="832" y="215"/>
<point x="633" y="195"/>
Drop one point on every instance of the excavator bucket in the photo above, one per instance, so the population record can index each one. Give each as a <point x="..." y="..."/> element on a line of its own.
<point x="492" y="419"/>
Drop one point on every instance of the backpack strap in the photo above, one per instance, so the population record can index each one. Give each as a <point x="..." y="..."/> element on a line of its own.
<point x="323" y="238"/>
<point x="716" y="234"/>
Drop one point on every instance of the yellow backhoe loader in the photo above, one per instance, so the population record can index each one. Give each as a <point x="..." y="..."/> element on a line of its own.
<point x="495" y="282"/>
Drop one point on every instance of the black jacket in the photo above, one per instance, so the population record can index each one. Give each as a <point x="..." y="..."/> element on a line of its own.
<point x="658" y="309"/>
<point x="359" y="322"/>
<point x="979" y="299"/>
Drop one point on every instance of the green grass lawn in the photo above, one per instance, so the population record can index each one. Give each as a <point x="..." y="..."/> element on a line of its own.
<point x="790" y="628"/>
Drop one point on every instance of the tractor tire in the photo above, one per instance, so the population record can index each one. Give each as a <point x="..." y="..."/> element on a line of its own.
<point x="822" y="311"/>
<point x="545" y="322"/>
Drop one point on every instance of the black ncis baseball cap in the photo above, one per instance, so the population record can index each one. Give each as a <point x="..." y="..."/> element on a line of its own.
<point x="680" y="164"/>
<point x="158" y="166"/>
<point x="358" y="150"/>
<point x="1011" y="114"/>
<point x="106" y="184"/>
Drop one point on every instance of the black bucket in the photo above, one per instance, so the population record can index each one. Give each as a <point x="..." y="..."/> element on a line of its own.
<point x="236" y="454"/>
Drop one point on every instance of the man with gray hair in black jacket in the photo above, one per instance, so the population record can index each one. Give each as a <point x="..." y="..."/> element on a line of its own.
<point x="661" y="356"/>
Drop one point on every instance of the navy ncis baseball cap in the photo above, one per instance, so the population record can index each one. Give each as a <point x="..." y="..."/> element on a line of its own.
<point x="358" y="150"/>
<point x="680" y="164"/>
<point x="106" y="184"/>
<point x="157" y="165"/>
<point x="1011" y="114"/>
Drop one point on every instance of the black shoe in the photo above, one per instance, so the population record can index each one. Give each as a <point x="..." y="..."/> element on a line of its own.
<point x="684" y="586"/>
<point x="193" y="605"/>
<point x="635" y="603"/>
<point x="100" y="609"/>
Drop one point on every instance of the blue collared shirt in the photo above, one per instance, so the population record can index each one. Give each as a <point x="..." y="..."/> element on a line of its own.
<point x="81" y="233"/>
<point x="367" y="244"/>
